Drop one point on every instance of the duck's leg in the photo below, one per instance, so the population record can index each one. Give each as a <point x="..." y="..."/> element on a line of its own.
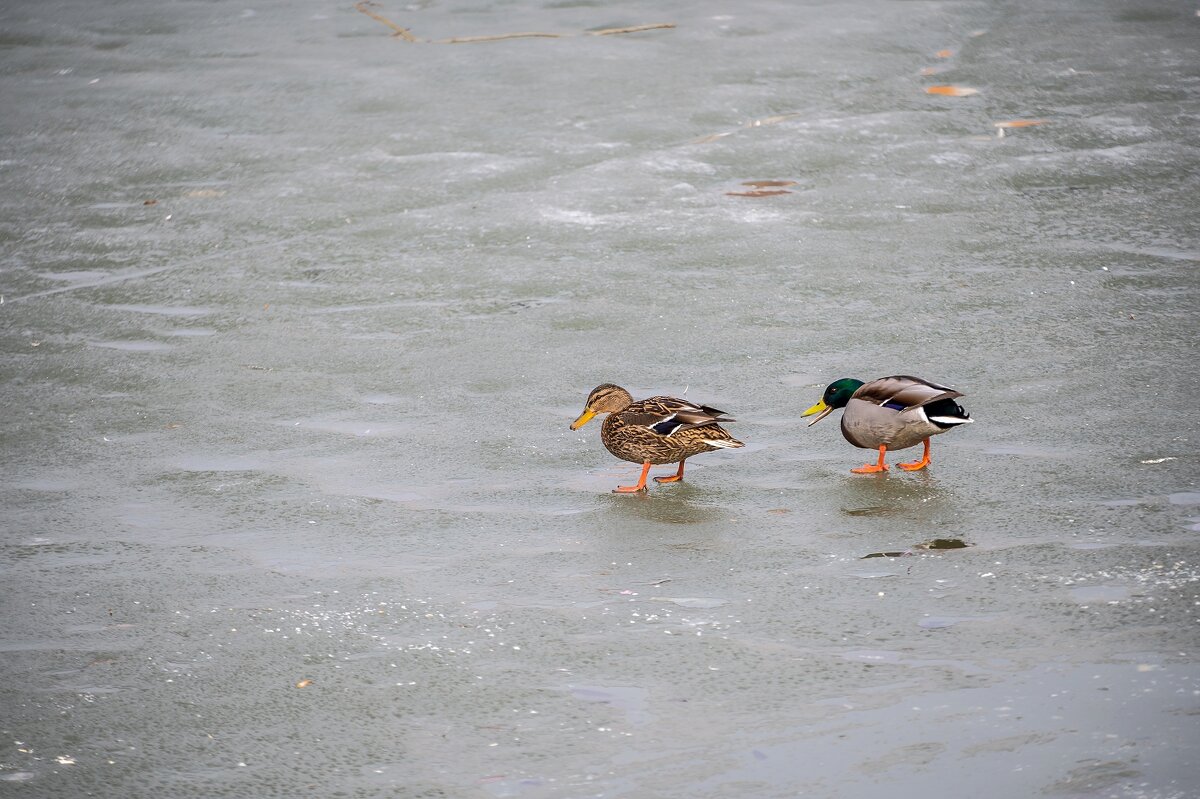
<point x="641" y="485"/>
<point x="921" y="464"/>
<point x="872" y="468"/>
<point x="678" y="475"/>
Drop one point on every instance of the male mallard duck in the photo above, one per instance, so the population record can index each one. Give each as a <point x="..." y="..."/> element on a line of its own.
<point x="891" y="413"/>
<point x="654" y="431"/>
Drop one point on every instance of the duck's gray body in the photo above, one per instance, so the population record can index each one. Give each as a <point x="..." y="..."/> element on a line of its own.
<point x="900" y="412"/>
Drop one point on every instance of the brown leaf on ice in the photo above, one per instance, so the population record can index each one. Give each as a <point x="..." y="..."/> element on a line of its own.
<point x="150" y="202"/>
<point x="762" y="184"/>
<point x="944" y="53"/>
<point x="1020" y="123"/>
<point x="758" y="193"/>
<point x="951" y="91"/>
<point x="304" y="683"/>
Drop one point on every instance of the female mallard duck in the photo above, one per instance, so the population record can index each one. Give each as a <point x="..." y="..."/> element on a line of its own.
<point x="654" y="431"/>
<point x="891" y="413"/>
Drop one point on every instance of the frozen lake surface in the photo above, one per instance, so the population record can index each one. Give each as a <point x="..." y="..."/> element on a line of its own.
<point x="296" y="314"/>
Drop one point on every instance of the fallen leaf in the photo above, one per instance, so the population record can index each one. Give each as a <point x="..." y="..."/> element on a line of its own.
<point x="951" y="91"/>
<point x="944" y="53"/>
<point x="304" y="683"/>
<point x="779" y="510"/>
<point x="761" y="184"/>
<point x="150" y="202"/>
<point x="1020" y="123"/>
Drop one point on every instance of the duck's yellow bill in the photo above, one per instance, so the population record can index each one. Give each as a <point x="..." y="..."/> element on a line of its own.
<point x="820" y="408"/>
<point x="583" y="419"/>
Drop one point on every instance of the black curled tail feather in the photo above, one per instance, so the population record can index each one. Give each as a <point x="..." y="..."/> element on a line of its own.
<point x="946" y="413"/>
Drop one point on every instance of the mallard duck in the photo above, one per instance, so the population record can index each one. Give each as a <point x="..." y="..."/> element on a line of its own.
<point x="891" y="413"/>
<point x="654" y="431"/>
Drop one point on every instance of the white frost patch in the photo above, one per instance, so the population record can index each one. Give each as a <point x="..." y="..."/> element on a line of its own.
<point x="691" y="602"/>
<point x="571" y="217"/>
<point x="952" y="159"/>
<point x="687" y="166"/>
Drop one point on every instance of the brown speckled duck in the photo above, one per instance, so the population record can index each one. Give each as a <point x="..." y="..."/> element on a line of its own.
<point x="891" y="413"/>
<point x="655" y="430"/>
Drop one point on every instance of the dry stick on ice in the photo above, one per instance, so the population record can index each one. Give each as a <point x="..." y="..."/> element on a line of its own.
<point x="632" y="29"/>
<point x="495" y="37"/>
<point x="404" y="33"/>
<point x="401" y="32"/>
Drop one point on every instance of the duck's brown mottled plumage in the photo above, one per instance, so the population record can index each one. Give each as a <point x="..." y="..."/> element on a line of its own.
<point x="657" y="430"/>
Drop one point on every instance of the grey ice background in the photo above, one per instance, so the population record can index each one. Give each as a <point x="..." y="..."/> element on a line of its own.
<point x="305" y="416"/>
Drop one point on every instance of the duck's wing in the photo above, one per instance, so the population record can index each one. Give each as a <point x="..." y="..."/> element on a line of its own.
<point x="668" y="415"/>
<point x="904" y="392"/>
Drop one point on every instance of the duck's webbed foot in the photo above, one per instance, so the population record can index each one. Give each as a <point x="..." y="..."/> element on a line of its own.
<point x="874" y="468"/>
<point x="675" y="478"/>
<point x="641" y="483"/>
<point x="915" y="465"/>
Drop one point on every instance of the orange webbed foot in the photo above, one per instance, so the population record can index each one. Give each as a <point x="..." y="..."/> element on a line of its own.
<point x="873" y="468"/>
<point x="915" y="465"/>
<point x="674" y="478"/>
<point x="641" y="483"/>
